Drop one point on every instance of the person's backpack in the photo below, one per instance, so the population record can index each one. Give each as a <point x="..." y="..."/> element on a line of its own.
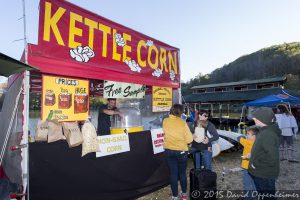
<point x="203" y="184"/>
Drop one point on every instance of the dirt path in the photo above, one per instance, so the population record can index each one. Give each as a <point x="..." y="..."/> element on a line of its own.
<point x="289" y="178"/>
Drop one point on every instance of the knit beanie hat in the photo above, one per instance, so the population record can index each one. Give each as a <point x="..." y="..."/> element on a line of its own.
<point x="264" y="114"/>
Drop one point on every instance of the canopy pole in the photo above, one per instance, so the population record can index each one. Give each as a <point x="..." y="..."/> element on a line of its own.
<point x="24" y="140"/>
<point x="242" y="114"/>
<point x="220" y="113"/>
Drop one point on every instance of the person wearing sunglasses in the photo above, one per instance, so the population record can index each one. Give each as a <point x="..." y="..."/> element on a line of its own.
<point x="202" y="150"/>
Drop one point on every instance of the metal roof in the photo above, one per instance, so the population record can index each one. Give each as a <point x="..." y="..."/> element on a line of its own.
<point x="243" y="96"/>
<point x="246" y="82"/>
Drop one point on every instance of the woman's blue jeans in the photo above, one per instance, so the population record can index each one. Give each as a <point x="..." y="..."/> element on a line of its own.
<point x="202" y="158"/>
<point x="177" y="162"/>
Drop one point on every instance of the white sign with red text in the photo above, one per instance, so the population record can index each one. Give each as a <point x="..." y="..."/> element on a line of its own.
<point x="157" y="140"/>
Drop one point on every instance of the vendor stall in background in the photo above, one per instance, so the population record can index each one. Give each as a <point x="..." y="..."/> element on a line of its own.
<point x="83" y="59"/>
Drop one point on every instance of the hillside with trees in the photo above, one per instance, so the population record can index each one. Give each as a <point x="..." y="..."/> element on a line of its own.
<point x="274" y="61"/>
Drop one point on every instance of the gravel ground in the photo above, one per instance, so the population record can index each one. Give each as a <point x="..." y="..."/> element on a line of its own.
<point x="289" y="178"/>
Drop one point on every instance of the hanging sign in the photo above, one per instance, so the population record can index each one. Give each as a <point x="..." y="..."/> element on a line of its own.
<point x="157" y="136"/>
<point x="112" y="144"/>
<point x="113" y="89"/>
<point x="87" y="41"/>
<point x="65" y="99"/>
<point x="161" y="99"/>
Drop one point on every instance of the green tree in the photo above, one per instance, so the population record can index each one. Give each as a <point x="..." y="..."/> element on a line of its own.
<point x="293" y="82"/>
<point x="274" y="61"/>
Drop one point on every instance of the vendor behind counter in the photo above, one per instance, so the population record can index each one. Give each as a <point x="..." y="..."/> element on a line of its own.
<point x="104" y="116"/>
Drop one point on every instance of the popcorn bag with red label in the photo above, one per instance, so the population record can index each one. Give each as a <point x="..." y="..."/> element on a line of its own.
<point x="49" y="98"/>
<point x="64" y="100"/>
<point x="80" y="103"/>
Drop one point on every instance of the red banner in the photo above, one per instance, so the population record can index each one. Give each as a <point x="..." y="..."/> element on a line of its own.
<point x="71" y="34"/>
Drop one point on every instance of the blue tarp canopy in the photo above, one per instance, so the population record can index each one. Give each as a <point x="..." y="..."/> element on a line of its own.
<point x="274" y="99"/>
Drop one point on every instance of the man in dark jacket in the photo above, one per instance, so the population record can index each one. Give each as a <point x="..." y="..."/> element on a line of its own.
<point x="105" y="113"/>
<point x="264" y="160"/>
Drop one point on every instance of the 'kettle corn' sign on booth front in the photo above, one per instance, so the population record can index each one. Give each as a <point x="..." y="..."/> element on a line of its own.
<point x="99" y="48"/>
<point x="65" y="99"/>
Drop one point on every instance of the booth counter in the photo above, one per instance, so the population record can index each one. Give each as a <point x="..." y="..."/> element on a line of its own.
<point x="59" y="172"/>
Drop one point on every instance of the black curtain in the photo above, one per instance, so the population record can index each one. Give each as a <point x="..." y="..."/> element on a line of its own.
<point x="57" y="172"/>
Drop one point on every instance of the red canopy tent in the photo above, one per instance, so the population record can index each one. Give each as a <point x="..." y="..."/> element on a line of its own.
<point x="74" y="42"/>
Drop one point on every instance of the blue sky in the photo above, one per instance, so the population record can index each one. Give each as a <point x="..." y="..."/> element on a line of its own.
<point x="209" y="33"/>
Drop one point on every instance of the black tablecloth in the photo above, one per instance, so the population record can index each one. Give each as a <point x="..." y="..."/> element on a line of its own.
<point x="57" y="172"/>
